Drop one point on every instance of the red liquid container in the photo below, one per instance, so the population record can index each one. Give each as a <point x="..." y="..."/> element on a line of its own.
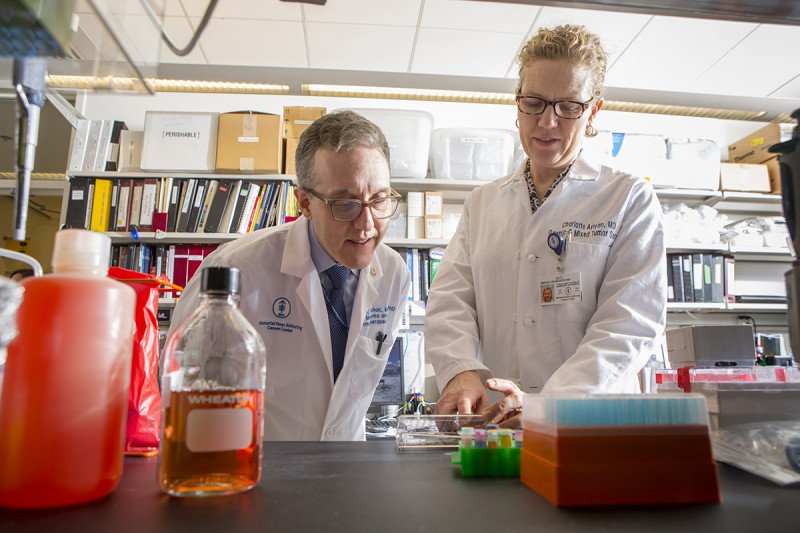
<point x="63" y="404"/>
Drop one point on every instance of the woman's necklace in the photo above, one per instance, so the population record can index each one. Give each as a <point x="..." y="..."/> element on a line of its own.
<point x="535" y="202"/>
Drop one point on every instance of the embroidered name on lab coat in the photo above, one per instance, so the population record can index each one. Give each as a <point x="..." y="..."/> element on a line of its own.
<point x="378" y="315"/>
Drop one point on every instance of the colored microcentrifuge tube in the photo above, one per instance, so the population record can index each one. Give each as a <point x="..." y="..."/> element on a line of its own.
<point x="518" y="438"/>
<point x="506" y="438"/>
<point x="480" y="438"/>
<point x="491" y="438"/>
<point x="467" y="437"/>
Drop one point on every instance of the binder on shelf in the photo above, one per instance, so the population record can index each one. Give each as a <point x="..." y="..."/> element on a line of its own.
<point x="112" y="215"/>
<point x="197" y="205"/>
<point x="241" y="200"/>
<point x="688" y="284"/>
<point x="173" y="205"/>
<point x="80" y="142"/>
<point x="729" y="269"/>
<point x="101" y="154"/>
<point x="124" y="205"/>
<point x="707" y="278"/>
<point x="101" y="205"/>
<point x="77" y="203"/>
<point x="87" y="219"/>
<point x="187" y="195"/>
<point x="217" y="208"/>
<point x="92" y="143"/>
<point x="697" y="277"/>
<point x="233" y="197"/>
<point x="717" y="278"/>
<point x="110" y="145"/>
<point x="136" y="203"/>
<point x="675" y="269"/>
<point x="247" y="209"/>
<point x="670" y="281"/>
<point x="149" y="200"/>
<point x="211" y="191"/>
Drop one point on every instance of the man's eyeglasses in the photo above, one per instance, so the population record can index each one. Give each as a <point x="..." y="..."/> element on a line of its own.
<point x="350" y="209"/>
<point x="533" y="105"/>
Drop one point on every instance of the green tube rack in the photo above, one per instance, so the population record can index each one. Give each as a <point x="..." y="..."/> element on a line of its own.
<point x="487" y="462"/>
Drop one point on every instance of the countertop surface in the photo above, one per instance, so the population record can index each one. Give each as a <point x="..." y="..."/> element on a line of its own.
<point x="367" y="486"/>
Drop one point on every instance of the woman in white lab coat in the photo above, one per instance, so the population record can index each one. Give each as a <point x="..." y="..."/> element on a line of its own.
<point x="556" y="277"/>
<point x="346" y="201"/>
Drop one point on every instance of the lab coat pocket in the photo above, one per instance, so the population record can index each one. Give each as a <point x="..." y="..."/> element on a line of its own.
<point x="367" y="367"/>
<point x="590" y="261"/>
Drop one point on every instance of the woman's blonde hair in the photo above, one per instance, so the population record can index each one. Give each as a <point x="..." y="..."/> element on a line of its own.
<point x="575" y="43"/>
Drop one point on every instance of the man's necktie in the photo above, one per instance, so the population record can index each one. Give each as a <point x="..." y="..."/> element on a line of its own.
<point x="337" y="316"/>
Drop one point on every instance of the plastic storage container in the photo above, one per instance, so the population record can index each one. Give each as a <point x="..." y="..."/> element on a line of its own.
<point x="409" y="136"/>
<point x="64" y="400"/>
<point x="472" y="154"/>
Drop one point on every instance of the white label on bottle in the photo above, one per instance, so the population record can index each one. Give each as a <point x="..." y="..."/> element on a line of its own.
<point x="219" y="430"/>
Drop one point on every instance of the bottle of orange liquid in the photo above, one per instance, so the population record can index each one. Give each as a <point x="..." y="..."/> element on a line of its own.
<point x="64" y="399"/>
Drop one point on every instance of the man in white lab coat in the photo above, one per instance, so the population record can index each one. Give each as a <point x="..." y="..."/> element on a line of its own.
<point x="323" y="292"/>
<point x="556" y="277"/>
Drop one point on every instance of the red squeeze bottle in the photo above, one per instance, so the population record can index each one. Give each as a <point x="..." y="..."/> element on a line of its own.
<point x="63" y="404"/>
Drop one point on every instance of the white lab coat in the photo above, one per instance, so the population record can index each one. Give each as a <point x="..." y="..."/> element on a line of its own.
<point x="301" y="401"/>
<point x="484" y="310"/>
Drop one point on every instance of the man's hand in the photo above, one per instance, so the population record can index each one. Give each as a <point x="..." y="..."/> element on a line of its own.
<point x="464" y="395"/>
<point x="508" y="411"/>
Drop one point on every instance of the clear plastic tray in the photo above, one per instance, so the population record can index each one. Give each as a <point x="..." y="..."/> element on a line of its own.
<point x="431" y="433"/>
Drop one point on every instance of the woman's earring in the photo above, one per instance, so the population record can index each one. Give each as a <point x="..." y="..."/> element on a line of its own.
<point x="517" y="123"/>
<point x="590" y="130"/>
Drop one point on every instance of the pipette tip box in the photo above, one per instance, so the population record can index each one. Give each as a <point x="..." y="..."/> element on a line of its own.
<point x="585" y="450"/>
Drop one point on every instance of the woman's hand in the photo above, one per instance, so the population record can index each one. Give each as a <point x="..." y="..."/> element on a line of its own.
<point x="506" y="412"/>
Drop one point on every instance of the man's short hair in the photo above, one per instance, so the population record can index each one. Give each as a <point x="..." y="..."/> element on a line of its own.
<point x="338" y="131"/>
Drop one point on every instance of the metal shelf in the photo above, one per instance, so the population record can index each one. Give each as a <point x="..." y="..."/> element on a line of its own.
<point x="150" y="237"/>
<point x="415" y="243"/>
<point x="695" y="247"/>
<point x="185" y="175"/>
<point x="38" y="187"/>
<point x="682" y="307"/>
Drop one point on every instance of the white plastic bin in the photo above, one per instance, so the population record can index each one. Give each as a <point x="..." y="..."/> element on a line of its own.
<point x="472" y="154"/>
<point x="409" y="136"/>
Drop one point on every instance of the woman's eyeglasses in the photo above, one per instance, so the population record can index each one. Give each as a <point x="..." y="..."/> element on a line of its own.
<point x="350" y="209"/>
<point x="533" y="105"/>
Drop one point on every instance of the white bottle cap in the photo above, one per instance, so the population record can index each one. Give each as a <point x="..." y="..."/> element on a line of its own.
<point x="78" y="250"/>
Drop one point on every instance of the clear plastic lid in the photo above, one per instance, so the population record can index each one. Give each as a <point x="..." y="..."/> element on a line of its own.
<point x="78" y="250"/>
<point x="551" y="412"/>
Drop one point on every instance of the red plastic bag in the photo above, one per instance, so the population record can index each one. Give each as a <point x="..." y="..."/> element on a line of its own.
<point x="144" y="402"/>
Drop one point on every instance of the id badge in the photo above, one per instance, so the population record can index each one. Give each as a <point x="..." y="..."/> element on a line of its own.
<point x="564" y="288"/>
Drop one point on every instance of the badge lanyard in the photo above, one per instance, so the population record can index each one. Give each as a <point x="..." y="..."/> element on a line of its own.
<point x="558" y="244"/>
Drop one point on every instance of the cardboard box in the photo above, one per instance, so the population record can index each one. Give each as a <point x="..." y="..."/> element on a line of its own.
<point x="434" y="203"/>
<point x="179" y="141"/>
<point x="434" y="227"/>
<point x="743" y="177"/>
<point x="249" y="141"/>
<point x="130" y="150"/>
<point x="291" y="147"/>
<point x="755" y="147"/>
<point x="774" y="172"/>
<point x="297" y="119"/>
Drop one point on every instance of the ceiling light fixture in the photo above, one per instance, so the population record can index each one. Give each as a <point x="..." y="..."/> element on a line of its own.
<point x="402" y="93"/>
<point x="111" y="83"/>
<point x="436" y="95"/>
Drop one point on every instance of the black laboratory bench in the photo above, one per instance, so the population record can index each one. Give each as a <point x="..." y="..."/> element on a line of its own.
<point x="366" y="486"/>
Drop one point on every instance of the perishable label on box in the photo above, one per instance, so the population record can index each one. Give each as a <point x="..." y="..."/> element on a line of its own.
<point x="179" y="141"/>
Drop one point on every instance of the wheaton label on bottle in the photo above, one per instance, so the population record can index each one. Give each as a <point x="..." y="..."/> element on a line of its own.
<point x="219" y="430"/>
